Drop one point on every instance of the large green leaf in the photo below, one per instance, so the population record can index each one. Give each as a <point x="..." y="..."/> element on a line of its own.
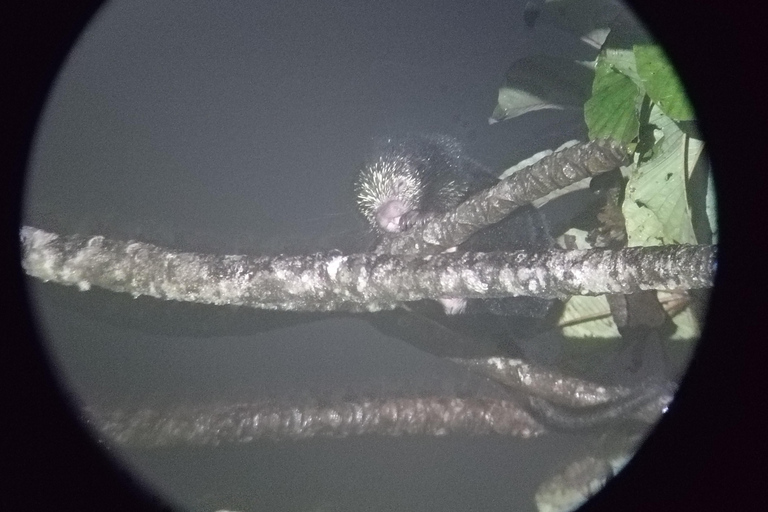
<point x="613" y="110"/>
<point x="623" y="61"/>
<point x="662" y="83"/>
<point x="588" y="317"/>
<point x="656" y="204"/>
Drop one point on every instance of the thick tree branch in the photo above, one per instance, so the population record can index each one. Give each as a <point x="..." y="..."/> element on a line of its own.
<point x="358" y="282"/>
<point x="548" y="384"/>
<point x="248" y="422"/>
<point x="371" y="282"/>
<point x="531" y="389"/>
<point x="569" y="402"/>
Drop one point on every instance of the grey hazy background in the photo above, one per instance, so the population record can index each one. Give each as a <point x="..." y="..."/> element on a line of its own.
<point x="237" y="127"/>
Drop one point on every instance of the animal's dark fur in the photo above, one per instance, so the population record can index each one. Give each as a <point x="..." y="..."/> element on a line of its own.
<point x="422" y="175"/>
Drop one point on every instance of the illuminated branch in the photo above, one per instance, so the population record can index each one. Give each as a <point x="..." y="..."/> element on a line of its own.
<point x="248" y="422"/>
<point x="358" y="282"/>
<point x="531" y="389"/>
<point x="370" y="282"/>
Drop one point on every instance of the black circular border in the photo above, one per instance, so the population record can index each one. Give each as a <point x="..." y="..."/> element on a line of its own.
<point x="703" y="455"/>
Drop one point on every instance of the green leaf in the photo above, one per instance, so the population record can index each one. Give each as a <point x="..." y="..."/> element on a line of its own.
<point x="656" y="202"/>
<point x="688" y="327"/>
<point x="613" y="110"/>
<point x="623" y="61"/>
<point x="662" y="83"/>
<point x="542" y="82"/>
<point x="515" y="102"/>
<point x="588" y="317"/>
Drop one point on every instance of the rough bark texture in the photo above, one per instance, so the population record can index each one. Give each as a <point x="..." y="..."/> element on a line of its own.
<point x="555" y="400"/>
<point x="249" y="422"/>
<point x="358" y="282"/>
<point x="545" y="383"/>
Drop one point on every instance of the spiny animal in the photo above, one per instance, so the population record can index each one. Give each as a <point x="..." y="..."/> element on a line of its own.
<point x="413" y="177"/>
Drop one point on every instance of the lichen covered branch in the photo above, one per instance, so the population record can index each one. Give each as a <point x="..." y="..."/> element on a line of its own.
<point x="215" y="424"/>
<point x="549" y="174"/>
<point x="545" y="383"/>
<point x="358" y="282"/>
<point x="571" y="403"/>
<point x="532" y="389"/>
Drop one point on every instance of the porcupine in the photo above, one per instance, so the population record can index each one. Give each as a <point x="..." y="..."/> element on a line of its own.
<point x="421" y="175"/>
<point x="414" y="177"/>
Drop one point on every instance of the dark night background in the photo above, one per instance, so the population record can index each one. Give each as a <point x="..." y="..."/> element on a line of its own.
<point x="197" y="125"/>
